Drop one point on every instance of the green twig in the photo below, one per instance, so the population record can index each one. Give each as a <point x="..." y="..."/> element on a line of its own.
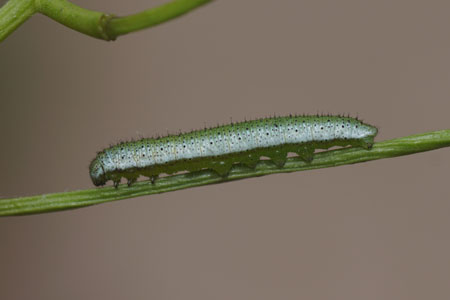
<point x="333" y="158"/>
<point x="96" y="24"/>
<point x="13" y="14"/>
<point x="151" y="17"/>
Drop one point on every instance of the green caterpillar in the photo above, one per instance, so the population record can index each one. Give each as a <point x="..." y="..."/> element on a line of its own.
<point x="220" y="147"/>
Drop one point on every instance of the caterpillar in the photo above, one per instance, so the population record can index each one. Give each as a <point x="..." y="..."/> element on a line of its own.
<point x="220" y="147"/>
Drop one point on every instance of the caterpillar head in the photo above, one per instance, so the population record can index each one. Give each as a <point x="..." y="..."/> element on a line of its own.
<point x="97" y="172"/>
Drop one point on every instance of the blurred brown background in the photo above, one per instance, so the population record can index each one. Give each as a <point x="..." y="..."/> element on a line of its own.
<point x="378" y="230"/>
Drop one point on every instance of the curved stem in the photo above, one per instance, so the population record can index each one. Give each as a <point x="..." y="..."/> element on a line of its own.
<point x="333" y="158"/>
<point x="13" y="14"/>
<point x="83" y="20"/>
<point x="93" y="23"/>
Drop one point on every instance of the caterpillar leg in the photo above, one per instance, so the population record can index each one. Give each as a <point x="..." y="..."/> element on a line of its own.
<point x="222" y="168"/>
<point x="279" y="158"/>
<point x="153" y="178"/>
<point x="306" y="153"/>
<point x="151" y="174"/>
<point x="131" y="181"/>
<point x="367" y="143"/>
<point x="116" y="183"/>
<point x="116" y="180"/>
<point x="250" y="161"/>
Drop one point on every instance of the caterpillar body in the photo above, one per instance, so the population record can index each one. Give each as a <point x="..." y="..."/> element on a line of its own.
<point x="220" y="147"/>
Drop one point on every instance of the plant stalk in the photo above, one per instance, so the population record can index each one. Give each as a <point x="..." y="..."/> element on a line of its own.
<point x="333" y="158"/>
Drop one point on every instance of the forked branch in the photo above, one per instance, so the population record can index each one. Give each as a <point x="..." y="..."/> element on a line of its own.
<point x="93" y="23"/>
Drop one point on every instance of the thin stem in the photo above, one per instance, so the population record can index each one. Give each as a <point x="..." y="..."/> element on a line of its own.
<point x="60" y="201"/>
<point x="13" y="14"/>
<point x="93" y="23"/>
<point x="151" y="17"/>
<point x="83" y="20"/>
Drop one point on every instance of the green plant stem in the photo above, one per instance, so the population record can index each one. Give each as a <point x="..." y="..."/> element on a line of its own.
<point x="68" y="200"/>
<point x="151" y="17"/>
<point x="86" y="21"/>
<point x="93" y="23"/>
<point x="13" y="14"/>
